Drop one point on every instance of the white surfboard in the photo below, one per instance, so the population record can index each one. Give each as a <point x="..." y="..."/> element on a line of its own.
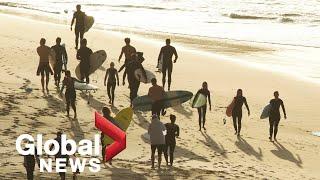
<point x="88" y="23"/>
<point x="139" y="76"/>
<point x="84" y="86"/>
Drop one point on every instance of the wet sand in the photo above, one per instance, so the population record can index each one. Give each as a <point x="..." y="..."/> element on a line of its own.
<point x="215" y="153"/>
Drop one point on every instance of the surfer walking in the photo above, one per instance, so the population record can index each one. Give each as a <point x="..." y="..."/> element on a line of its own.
<point x="156" y="131"/>
<point x="165" y="55"/>
<point x="156" y="93"/>
<point x="29" y="161"/>
<point x="70" y="94"/>
<point x="127" y="50"/>
<point x="172" y="132"/>
<point x="202" y="111"/>
<point x="61" y="54"/>
<point x="239" y="100"/>
<point x="79" y="17"/>
<point x="274" y="116"/>
<point x="44" y="67"/>
<point x="134" y="83"/>
<point x="83" y="54"/>
<point x="113" y="80"/>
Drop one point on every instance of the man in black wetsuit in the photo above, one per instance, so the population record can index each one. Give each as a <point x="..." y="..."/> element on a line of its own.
<point x="172" y="133"/>
<point x="239" y="100"/>
<point x="83" y="55"/>
<point x="113" y="80"/>
<point x="79" y="27"/>
<point x="29" y="161"/>
<point x="166" y="54"/>
<point x="61" y="53"/>
<point x="274" y="116"/>
<point x="134" y="83"/>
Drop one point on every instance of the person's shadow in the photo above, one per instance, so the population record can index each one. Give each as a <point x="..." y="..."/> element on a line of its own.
<point x="244" y="146"/>
<point x="183" y="111"/>
<point x="213" y="145"/>
<point x="285" y="154"/>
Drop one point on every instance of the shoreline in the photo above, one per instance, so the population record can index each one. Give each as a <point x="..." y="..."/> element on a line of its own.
<point x="215" y="153"/>
<point x="242" y="52"/>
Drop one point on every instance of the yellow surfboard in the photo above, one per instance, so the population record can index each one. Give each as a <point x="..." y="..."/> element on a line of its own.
<point x="124" y="117"/>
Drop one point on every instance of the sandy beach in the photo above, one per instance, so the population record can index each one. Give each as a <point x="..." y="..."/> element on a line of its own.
<point x="212" y="154"/>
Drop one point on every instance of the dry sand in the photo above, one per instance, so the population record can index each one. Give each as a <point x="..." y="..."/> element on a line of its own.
<point x="212" y="154"/>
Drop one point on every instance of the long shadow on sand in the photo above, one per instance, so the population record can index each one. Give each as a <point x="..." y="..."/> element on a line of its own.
<point x="94" y="103"/>
<point x="213" y="145"/>
<point x="179" y="151"/>
<point x="244" y="146"/>
<point x="285" y="154"/>
<point x="78" y="133"/>
<point x="187" y="112"/>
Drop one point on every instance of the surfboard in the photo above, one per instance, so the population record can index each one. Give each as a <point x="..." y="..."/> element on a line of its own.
<point x="265" y="112"/>
<point x="316" y="133"/>
<point x="160" y="64"/>
<point x="171" y="99"/>
<point x="84" y="86"/>
<point x="96" y="61"/>
<point x="230" y="108"/>
<point x="64" y="61"/>
<point x="198" y="100"/>
<point x="52" y="59"/>
<point x="123" y="118"/>
<point x="146" y="136"/>
<point x="88" y="23"/>
<point x="139" y="76"/>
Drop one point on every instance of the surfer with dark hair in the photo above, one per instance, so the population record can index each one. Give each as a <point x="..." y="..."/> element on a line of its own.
<point x="113" y="80"/>
<point x="202" y="111"/>
<point x="29" y="161"/>
<point x="79" y="16"/>
<point x="134" y="83"/>
<point x="44" y="68"/>
<point x="83" y="54"/>
<point x="172" y="132"/>
<point x="127" y="50"/>
<point x="156" y="93"/>
<point x="61" y="54"/>
<point x="70" y="94"/>
<point x="239" y="100"/>
<point x="165" y="56"/>
<point x="274" y="116"/>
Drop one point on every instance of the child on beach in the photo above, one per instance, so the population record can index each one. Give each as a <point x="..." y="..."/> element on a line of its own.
<point x="172" y="132"/>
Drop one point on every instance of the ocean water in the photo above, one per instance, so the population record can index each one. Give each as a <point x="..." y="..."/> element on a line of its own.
<point x="293" y="25"/>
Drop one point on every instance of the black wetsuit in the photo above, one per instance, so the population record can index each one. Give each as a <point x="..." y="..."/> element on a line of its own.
<point x="133" y="82"/>
<point x="79" y="28"/>
<point x="172" y="133"/>
<point x="203" y="110"/>
<point x="61" y="54"/>
<point x="274" y="116"/>
<point x="237" y="112"/>
<point x="166" y="54"/>
<point x="29" y="163"/>
<point x="70" y="94"/>
<point x="83" y="55"/>
<point x="111" y="83"/>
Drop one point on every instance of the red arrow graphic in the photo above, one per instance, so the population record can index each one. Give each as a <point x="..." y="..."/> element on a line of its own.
<point x="113" y="132"/>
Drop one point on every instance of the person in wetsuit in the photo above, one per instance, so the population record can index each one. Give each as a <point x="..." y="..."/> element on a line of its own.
<point x="61" y="54"/>
<point x="83" y="54"/>
<point x="134" y="83"/>
<point x="29" y="161"/>
<point x="107" y="114"/>
<point x="70" y="94"/>
<point x="274" y="116"/>
<point x="166" y="54"/>
<point x="239" y="100"/>
<point x="44" y="68"/>
<point x="127" y="50"/>
<point x="79" y="17"/>
<point x="156" y="93"/>
<point x="172" y="132"/>
<point x="202" y="111"/>
<point x="113" y="80"/>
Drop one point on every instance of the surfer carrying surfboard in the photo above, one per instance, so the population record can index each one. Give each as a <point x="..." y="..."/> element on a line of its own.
<point x="113" y="80"/>
<point x="79" y="16"/>
<point x="274" y="115"/>
<point x="44" y="68"/>
<point x="61" y="54"/>
<point x="165" y="55"/>
<point x="239" y="100"/>
<point x="203" y="109"/>
<point x="156" y="93"/>
<point x="127" y="50"/>
<point x="70" y="94"/>
<point x="83" y="54"/>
